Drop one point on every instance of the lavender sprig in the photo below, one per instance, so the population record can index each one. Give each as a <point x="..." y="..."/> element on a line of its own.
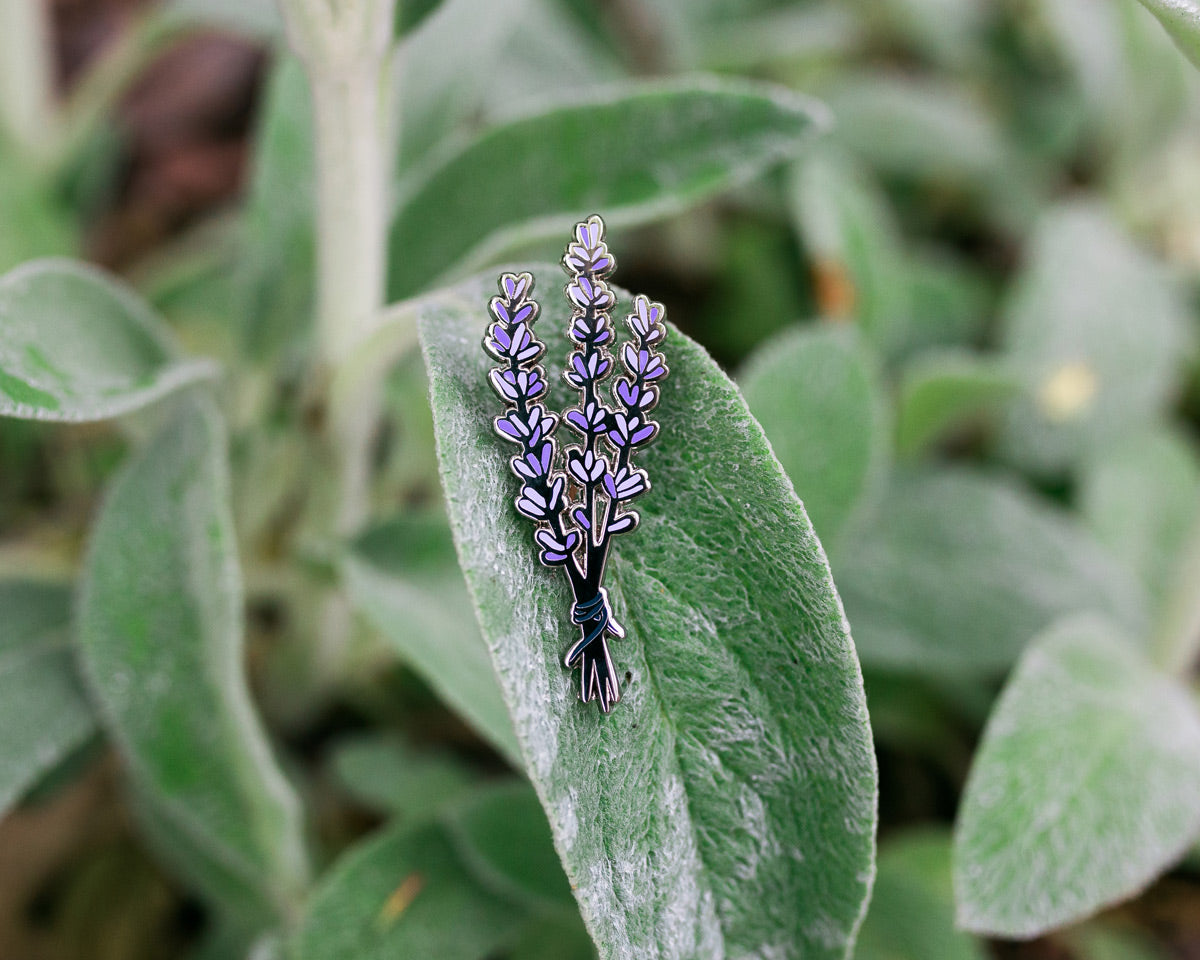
<point x="580" y="509"/>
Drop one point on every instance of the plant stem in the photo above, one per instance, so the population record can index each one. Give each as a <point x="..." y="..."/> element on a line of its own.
<point x="27" y="108"/>
<point x="344" y="45"/>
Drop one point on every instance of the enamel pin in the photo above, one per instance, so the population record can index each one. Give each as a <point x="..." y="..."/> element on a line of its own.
<point x="578" y="510"/>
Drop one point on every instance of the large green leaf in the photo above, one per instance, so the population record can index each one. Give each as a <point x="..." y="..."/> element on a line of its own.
<point x="958" y="570"/>
<point x="77" y="345"/>
<point x="403" y="578"/>
<point x="1181" y="18"/>
<point x="405" y="893"/>
<point x="43" y="712"/>
<point x="160" y="628"/>
<point x="634" y="154"/>
<point x="1097" y="332"/>
<point x="1083" y="790"/>
<point x="816" y="393"/>
<point x="1142" y="498"/>
<point x="911" y="916"/>
<point x="727" y="805"/>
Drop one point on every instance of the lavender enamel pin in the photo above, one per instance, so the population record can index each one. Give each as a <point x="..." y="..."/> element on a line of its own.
<point x="577" y="511"/>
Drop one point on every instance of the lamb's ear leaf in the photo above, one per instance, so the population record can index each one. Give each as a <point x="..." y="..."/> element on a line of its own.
<point x="952" y="547"/>
<point x="159" y="627"/>
<point x="817" y="394"/>
<point x="401" y="576"/>
<point x="1090" y="376"/>
<point x="637" y="153"/>
<point x="43" y="711"/>
<point x="1083" y="789"/>
<point x="742" y="736"/>
<point x="405" y="893"/>
<point x="1181" y="19"/>
<point x="76" y="344"/>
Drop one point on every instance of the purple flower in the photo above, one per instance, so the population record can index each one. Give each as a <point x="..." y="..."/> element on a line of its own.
<point x="589" y="253"/>
<point x="626" y="483"/>
<point x="515" y="285"/>
<point x="590" y="294"/>
<point x="630" y="429"/>
<point x="646" y="319"/>
<point x="518" y="344"/>
<point x="585" y="467"/>
<point x="593" y="330"/>
<point x="623" y="522"/>
<point x="635" y="396"/>
<point x="530" y="429"/>
<point x="537" y="506"/>
<point x="645" y="363"/>
<point x="526" y="384"/>
<point x="555" y="550"/>
<point x="534" y="464"/>
<point x="595" y="366"/>
<point x="592" y="419"/>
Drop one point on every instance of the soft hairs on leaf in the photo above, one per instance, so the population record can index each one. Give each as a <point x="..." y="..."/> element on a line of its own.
<point x="76" y="344"/>
<point x="636" y="152"/>
<point x="160" y="630"/>
<point x="728" y="809"/>
<point x="43" y="712"/>
<point x="1084" y="787"/>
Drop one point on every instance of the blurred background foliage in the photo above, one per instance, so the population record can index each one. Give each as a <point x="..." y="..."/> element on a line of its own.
<point x="965" y="317"/>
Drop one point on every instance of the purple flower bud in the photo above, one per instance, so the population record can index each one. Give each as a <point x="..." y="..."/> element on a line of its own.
<point x="515" y="285"/>
<point x="623" y="522"/>
<point x="590" y="420"/>
<point x="535" y="463"/>
<point x="626" y="483"/>
<point x="537" y="506"/>
<point x="594" y="294"/>
<point x="555" y="550"/>
<point x="585" y="467"/>
<point x="630" y="429"/>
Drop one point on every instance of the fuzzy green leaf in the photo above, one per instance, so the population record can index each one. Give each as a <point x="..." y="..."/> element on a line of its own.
<point x="160" y="629"/>
<point x="1097" y="332"/>
<point x="1083" y="790"/>
<point x="958" y="570"/>
<point x="405" y="893"/>
<point x="403" y="578"/>
<point x="43" y="712"/>
<point x="727" y="805"/>
<point x="635" y="154"/>
<point x="816" y="393"/>
<point x="77" y="345"/>
<point x="1181" y="19"/>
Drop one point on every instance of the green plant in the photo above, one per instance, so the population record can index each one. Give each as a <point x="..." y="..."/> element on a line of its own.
<point x="261" y="544"/>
